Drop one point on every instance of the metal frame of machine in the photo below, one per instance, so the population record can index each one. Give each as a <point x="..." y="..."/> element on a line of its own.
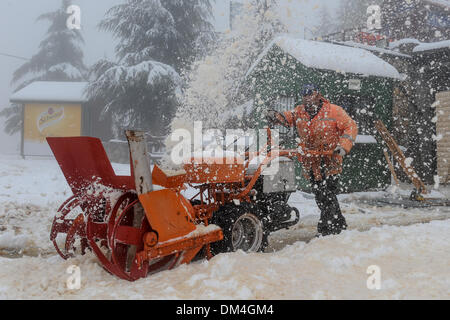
<point x="142" y="224"/>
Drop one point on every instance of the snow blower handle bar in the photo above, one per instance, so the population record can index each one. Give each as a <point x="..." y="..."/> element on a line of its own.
<point x="299" y="153"/>
<point x="275" y="154"/>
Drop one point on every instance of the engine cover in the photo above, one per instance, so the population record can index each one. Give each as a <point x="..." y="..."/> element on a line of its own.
<point x="281" y="177"/>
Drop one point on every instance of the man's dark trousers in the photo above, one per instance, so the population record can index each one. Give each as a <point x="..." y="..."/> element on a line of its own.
<point x="332" y="222"/>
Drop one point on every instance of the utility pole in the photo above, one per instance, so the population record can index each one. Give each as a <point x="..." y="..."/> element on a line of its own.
<point x="231" y="15"/>
<point x="13" y="56"/>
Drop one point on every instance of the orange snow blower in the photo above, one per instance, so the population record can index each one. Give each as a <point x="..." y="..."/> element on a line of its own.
<point x="141" y="224"/>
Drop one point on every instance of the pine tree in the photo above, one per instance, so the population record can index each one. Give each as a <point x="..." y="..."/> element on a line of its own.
<point x="60" y="58"/>
<point x="142" y="96"/>
<point x="157" y="41"/>
<point x="164" y="31"/>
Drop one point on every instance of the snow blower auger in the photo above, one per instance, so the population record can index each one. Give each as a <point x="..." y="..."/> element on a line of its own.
<point x="142" y="224"/>
<point x="135" y="227"/>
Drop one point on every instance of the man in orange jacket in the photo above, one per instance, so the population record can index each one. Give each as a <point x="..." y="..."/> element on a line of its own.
<point x="324" y="127"/>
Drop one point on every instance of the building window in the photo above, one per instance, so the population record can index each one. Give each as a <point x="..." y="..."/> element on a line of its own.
<point x="284" y="104"/>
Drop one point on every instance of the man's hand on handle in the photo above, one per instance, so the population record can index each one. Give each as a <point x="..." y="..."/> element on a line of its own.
<point x="275" y="118"/>
<point x="272" y="118"/>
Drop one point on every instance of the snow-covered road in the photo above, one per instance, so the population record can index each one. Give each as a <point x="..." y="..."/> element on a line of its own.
<point x="410" y="246"/>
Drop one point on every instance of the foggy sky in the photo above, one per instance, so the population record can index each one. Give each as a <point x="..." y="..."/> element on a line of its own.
<point x="20" y="35"/>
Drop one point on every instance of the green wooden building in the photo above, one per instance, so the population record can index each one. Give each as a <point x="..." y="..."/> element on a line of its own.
<point x="353" y="78"/>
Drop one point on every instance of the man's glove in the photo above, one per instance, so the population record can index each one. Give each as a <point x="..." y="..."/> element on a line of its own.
<point x="272" y="117"/>
<point x="339" y="151"/>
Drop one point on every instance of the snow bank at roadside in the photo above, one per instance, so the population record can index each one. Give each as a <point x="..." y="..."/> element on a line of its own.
<point x="413" y="261"/>
<point x="37" y="182"/>
<point x="31" y="191"/>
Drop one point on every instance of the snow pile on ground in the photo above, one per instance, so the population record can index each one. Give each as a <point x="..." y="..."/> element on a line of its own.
<point x="31" y="191"/>
<point x="360" y="215"/>
<point x="409" y="246"/>
<point x="413" y="262"/>
<point x="332" y="57"/>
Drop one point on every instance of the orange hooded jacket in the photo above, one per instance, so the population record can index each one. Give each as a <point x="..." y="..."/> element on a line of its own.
<point x="332" y="127"/>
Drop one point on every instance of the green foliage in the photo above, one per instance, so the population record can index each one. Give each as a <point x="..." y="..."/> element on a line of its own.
<point x="158" y="40"/>
<point x="13" y="115"/>
<point x="59" y="58"/>
<point x="141" y="96"/>
<point x="165" y="31"/>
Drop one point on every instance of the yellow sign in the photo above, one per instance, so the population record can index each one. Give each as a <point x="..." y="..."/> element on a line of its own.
<point x="49" y="120"/>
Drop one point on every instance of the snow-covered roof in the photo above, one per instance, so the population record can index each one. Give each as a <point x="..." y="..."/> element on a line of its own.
<point x="421" y="46"/>
<point x="48" y="91"/>
<point x="374" y="49"/>
<point x="396" y="44"/>
<point x="328" y="56"/>
<point x="444" y="3"/>
<point x="432" y="46"/>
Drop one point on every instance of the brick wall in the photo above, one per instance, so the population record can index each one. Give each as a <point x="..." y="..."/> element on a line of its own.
<point x="443" y="131"/>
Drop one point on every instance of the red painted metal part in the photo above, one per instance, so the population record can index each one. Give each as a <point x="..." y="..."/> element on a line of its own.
<point x="63" y="225"/>
<point x="102" y="224"/>
<point x="125" y="241"/>
<point x="84" y="161"/>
